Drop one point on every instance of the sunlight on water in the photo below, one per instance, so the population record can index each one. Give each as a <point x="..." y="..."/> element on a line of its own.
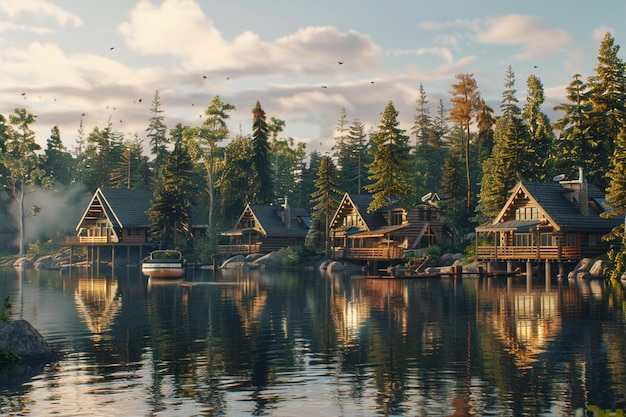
<point x="293" y="343"/>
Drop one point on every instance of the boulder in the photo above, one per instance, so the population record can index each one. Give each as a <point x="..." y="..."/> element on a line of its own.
<point x="233" y="262"/>
<point x="335" y="266"/>
<point x="23" y="263"/>
<point x="19" y="337"/>
<point x="45" y="262"/>
<point x="271" y="260"/>
<point x="596" y="268"/>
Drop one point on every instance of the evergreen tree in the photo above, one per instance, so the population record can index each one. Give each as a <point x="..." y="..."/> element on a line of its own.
<point x="539" y="149"/>
<point x="616" y="192"/>
<point x="608" y="112"/>
<point x="59" y="163"/>
<point x="261" y="164"/>
<point x="389" y="168"/>
<point x="465" y="104"/>
<point x="573" y="149"/>
<point x="327" y="195"/>
<point x="157" y="133"/>
<point x="170" y="211"/>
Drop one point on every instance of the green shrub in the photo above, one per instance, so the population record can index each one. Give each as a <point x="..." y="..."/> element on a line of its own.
<point x="299" y="255"/>
<point x="5" y="315"/>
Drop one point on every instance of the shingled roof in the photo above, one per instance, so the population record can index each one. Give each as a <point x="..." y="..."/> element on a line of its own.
<point x="373" y="221"/>
<point x="563" y="214"/>
<point x="129" y="208"/>
<point x="271" y="222"/>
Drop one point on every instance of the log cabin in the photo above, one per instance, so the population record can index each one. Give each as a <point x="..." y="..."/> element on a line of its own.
<point x="386" y="234"/>
<point x="549" y="223"/>
<point x="118" y="218"/>
<point x="265" y="228"/>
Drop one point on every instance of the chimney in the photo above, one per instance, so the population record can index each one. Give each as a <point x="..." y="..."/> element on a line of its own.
<point x="287" y="214"/>
<point x="583" y="204"/>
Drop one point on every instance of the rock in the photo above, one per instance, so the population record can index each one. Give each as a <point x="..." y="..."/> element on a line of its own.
<point x="335" y="266"/>
<point x="233" y="262"/>
<point x="19" y="337"/>
<point x="271" y="260"/>
<point x="596" y="268"/>
<point x="253" y="257"/>
<point x="44" y="262"/>
<point x="23" y="263"/>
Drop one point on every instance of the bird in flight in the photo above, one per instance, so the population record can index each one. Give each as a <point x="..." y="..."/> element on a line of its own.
<point x="324" y="86"/>
<point x="340" y="62"/>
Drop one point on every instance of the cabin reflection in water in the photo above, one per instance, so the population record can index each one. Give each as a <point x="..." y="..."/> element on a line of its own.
<point x="98" y="303"/>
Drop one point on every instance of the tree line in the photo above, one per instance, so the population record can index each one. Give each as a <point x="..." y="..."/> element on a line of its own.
<point x="466" y="153"/>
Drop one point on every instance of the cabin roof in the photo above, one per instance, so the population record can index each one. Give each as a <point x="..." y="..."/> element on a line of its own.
<point x="129" y="208"/>
<point x="373" y="221"/>
<point x="562" y="213"/>
<point x="270" y="221"/>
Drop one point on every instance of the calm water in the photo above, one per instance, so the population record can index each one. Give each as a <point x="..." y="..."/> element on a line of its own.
<point x="293" y="343"/>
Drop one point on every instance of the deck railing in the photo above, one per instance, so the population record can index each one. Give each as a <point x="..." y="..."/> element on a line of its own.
<point x="528" y="253"/>
<point x="238" y="249"/>
<point x="381" y="253"/>
<point x="88" y="239"/>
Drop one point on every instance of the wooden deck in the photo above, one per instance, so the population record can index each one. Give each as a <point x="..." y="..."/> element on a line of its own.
<point x="536" y="253"/>
<point x="368" y="254"/>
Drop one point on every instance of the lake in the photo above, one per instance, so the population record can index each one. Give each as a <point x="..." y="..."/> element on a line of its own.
<point x="307" y="343"/>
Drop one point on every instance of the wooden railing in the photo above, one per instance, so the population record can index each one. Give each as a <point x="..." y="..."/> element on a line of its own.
<point x="392" y="252"/>
<point x="87" y="239"/>
<point x="528" y="252"/>
<point x="238" y="249"/>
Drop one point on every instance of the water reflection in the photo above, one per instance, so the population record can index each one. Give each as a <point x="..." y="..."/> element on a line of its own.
<point x="307" y="343"/>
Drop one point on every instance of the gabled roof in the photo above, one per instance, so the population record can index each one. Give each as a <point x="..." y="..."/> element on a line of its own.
<point x="269" y="221"/>
<point x="128" y="208"/>
<point x="373" y="221"/>
<point x="560" y="212"/>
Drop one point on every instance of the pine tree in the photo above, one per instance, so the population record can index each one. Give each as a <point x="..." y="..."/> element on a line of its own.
<point x="170" y="211"/>
<point x="572" y="147"/>
<point x="608" y="112"/>
<point x="389" y="170"/>
<point x="261" y="164"/>
<point x="157" y="133"/>
<point x="58" y="164"/>
<point x="616" y="192"/>
<point x="539" y="150"/>
<point x="326" y="196"/>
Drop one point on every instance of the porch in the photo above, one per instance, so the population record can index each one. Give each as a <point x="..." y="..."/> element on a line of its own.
<point x="368" y="254"/>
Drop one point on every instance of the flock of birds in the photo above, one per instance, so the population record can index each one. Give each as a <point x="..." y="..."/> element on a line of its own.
<point x="24" y="95"/>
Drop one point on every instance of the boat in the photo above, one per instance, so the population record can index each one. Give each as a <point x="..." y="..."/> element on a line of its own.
<point x="164" y="264"/>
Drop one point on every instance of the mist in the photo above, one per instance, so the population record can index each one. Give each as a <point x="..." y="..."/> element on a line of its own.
<point x="61" y="210"/>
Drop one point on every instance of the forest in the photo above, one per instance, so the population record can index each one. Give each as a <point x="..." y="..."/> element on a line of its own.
<point x="465" y="151"/>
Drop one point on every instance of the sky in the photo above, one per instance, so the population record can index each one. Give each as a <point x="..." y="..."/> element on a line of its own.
<point x="68" y="61"/>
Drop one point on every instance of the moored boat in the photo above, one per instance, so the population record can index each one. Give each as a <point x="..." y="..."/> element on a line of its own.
<point x="164" y="264"/>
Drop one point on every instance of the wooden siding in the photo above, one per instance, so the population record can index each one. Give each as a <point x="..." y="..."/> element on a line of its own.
<point x="380" y="253"/>
<point x="238" y="249"/>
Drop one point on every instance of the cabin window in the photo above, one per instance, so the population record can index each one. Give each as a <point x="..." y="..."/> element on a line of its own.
<point x="247" y="223"/>
<point x="397" y="217"/>
<point x="351" y="220"/>
<point x="424" y="215"/>
<point x="547" y="239"/>
<point x="523" y="239"/>
<point x="527" y="213"/>
<point x="571" y="240"/>
<point x="593" y="240"/>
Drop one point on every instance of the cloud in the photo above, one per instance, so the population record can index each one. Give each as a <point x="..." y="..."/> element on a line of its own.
<point x="598" y="34"/>
<point x="443" y="53"/>
<point x="156" y="30"/>
<point x="39" y="9"/>
<point x="14" y="27"/>
<point x="533" y="37"/>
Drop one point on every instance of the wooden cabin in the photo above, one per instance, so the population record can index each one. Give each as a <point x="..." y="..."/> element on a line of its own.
<point x="387" y="234"/>
<point x="548" y="222"/>
<point x="263" y="229"/>
<point x="119" y="218"/>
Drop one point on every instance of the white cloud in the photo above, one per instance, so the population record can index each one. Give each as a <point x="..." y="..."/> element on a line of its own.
<point x="598" y="34"/>
<point x="15" y="27"/>
<point x="40" y="8"/>
<point x="154" y="30"/>
<point x="534" y="38"/>
<point x="443" y="53"/>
